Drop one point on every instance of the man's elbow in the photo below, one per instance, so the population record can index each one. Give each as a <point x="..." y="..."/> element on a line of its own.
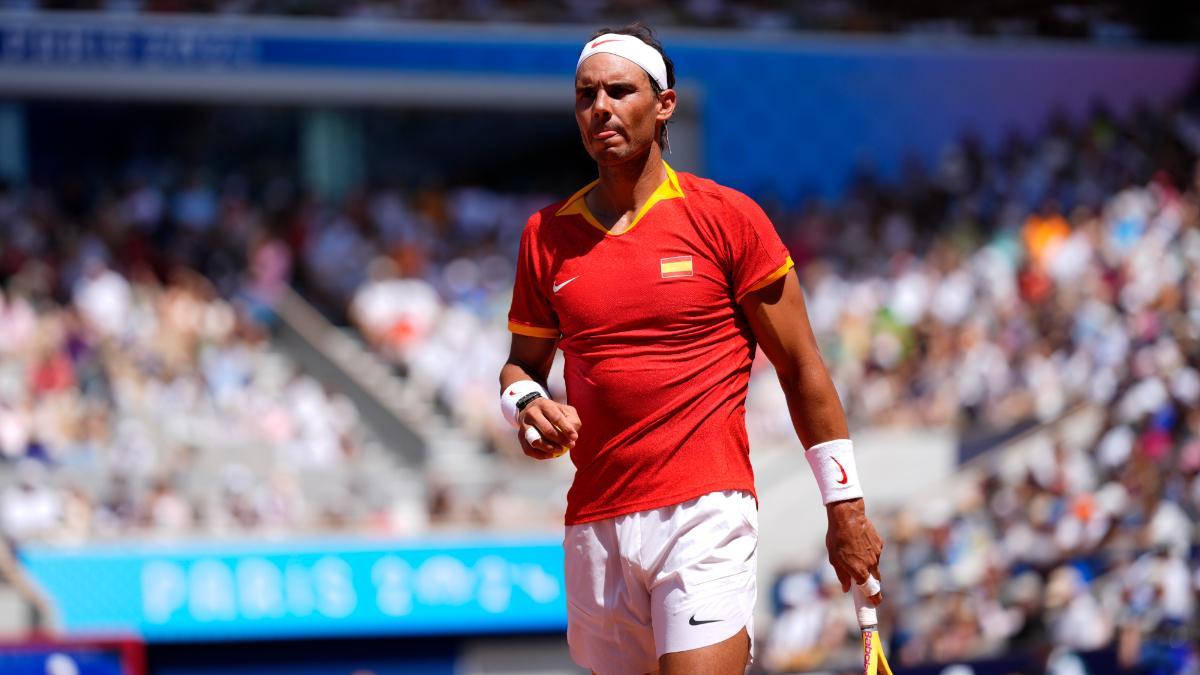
<point x="790" y="373"/>
<point x="521" y="370"/>
<point x="804" y="377"/>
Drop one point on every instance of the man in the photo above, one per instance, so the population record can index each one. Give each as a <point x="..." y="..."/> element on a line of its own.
<point x="657" y="286"/>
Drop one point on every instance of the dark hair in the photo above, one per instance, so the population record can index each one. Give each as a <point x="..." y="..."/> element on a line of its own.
<point x="645" y="33"/>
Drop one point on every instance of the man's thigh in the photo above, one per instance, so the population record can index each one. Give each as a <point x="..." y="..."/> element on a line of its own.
<point x="675" y="580"/>
<point x="729" y="657"/>
<point x="704" y="588"/>
<point x="608" y="606"/>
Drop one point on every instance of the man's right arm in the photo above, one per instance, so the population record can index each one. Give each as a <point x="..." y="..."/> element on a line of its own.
<point x="779" y="319"/>
<point x="530" y="358"/>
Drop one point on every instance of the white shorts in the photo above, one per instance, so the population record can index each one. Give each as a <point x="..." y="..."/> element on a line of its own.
<point x="661" y="581"/>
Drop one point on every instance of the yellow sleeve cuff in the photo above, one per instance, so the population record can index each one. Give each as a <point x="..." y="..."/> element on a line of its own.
<point x="771" y="278"/>
<point x="532" y="331"/>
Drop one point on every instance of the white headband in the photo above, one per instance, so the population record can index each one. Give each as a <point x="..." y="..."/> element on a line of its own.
<point x="628" y="47"/>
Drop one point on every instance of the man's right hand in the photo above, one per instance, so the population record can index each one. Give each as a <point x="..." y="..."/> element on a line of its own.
<point x="558" y="423"/>
<point x="854" y="545"/>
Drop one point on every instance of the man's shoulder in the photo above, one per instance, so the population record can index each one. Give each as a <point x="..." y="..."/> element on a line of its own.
<point x="545" y="214"/>
<point x="709" y="189"/>
<point x="712" y="194"/>
<point x="691" y="184"/>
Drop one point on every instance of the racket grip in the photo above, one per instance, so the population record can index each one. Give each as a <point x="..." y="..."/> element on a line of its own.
<point x="867" y="617"/>
<point x="532" y="436"/>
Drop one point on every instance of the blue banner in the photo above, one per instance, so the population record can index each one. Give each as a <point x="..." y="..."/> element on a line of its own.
<point x="335" y="588"/>
<point x="200" y="45"/>
<point x="37" y="660"/>
<point x="97" y="45"/>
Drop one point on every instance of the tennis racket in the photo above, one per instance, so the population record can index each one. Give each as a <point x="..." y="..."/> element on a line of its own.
<point x="874" y="662"/>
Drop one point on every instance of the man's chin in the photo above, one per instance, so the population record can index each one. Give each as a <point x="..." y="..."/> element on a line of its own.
<point x="612" y="156"/>
<point x="609" y="158"/>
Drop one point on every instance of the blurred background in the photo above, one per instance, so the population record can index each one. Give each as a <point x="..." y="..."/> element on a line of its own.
<point x="256" y="259"/>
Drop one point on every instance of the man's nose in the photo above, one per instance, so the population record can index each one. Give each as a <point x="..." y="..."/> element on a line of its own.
<point x="602" y="106"/>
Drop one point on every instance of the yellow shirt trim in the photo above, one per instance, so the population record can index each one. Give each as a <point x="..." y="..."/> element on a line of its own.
<point x="532" y="331"/>
<point x="770" y="278"/>
<point x="577" y="205"/>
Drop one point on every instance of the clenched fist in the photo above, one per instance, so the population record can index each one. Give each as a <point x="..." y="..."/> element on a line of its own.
<point x="558" y="424"/>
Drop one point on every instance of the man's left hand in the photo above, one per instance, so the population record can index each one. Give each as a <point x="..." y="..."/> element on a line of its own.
<point x="854" y="545"/>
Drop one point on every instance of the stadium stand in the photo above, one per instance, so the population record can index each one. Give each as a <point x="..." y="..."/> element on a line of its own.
<point x="950" y="299"/>
<point x="1015" y="285"/>
<point x="1083" y="541"/>
<point x="144" y="410"/>
<point x="999" y="287"/>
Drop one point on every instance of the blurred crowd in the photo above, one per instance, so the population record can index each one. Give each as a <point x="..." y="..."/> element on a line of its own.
<point x="1000" y="287"/>
<point x="1085" y="540"/>
<point x="996" y="287"/>
<point x="136" y="407"/>
<point x="1100" y="21"/>
<point x="992" y="290"/>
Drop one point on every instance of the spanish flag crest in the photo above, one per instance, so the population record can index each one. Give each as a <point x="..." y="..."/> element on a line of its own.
<point x="680" y="266"/>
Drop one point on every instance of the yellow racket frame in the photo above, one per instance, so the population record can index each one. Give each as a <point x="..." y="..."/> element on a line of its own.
<point x="874" y="661"/>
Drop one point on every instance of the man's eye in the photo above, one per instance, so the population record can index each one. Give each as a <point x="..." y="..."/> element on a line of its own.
<point x="585" y="93"/>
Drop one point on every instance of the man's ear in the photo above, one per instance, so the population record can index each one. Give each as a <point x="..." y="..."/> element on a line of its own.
<point x="666" y="105"/>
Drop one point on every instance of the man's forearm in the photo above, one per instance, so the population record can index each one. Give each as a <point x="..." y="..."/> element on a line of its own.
<point x="513" y="371"/>
<point x="556" y="424"/>
<point x="854" y="545"/>
<point x="814" y="405"/>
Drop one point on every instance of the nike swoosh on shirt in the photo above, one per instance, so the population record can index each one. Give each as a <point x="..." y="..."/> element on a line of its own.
<point x="559" y="287"/>
<point x="694" y="622"/>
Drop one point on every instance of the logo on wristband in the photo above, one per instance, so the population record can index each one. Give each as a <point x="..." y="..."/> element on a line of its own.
<point x="845" y="479"/>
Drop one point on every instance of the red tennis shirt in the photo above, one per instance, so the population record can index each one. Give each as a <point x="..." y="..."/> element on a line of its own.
<point x="657" y="350"/>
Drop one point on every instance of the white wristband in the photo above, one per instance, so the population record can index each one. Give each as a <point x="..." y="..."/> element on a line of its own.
<point x="832" y="464"/>
<point x="515" y="392"/>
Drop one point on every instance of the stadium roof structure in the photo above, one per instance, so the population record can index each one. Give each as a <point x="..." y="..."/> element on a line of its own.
<point x="776" y="114"/>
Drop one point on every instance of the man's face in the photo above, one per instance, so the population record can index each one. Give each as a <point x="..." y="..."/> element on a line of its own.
<point x="616" y="109"/>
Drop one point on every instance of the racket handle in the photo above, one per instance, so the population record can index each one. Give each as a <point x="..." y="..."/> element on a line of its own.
<point x="874" y="662"/>
<point x="532" y="436"/>
<point x="864" y="610"/>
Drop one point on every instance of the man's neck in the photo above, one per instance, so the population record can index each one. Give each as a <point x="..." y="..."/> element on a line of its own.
<point x="624" y="188"/>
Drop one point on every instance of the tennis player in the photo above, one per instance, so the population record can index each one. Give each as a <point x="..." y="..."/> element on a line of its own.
<point x="658" y="285"/>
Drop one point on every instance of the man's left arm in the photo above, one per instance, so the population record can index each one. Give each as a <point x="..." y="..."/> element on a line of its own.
<point x="779" y="319"/>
